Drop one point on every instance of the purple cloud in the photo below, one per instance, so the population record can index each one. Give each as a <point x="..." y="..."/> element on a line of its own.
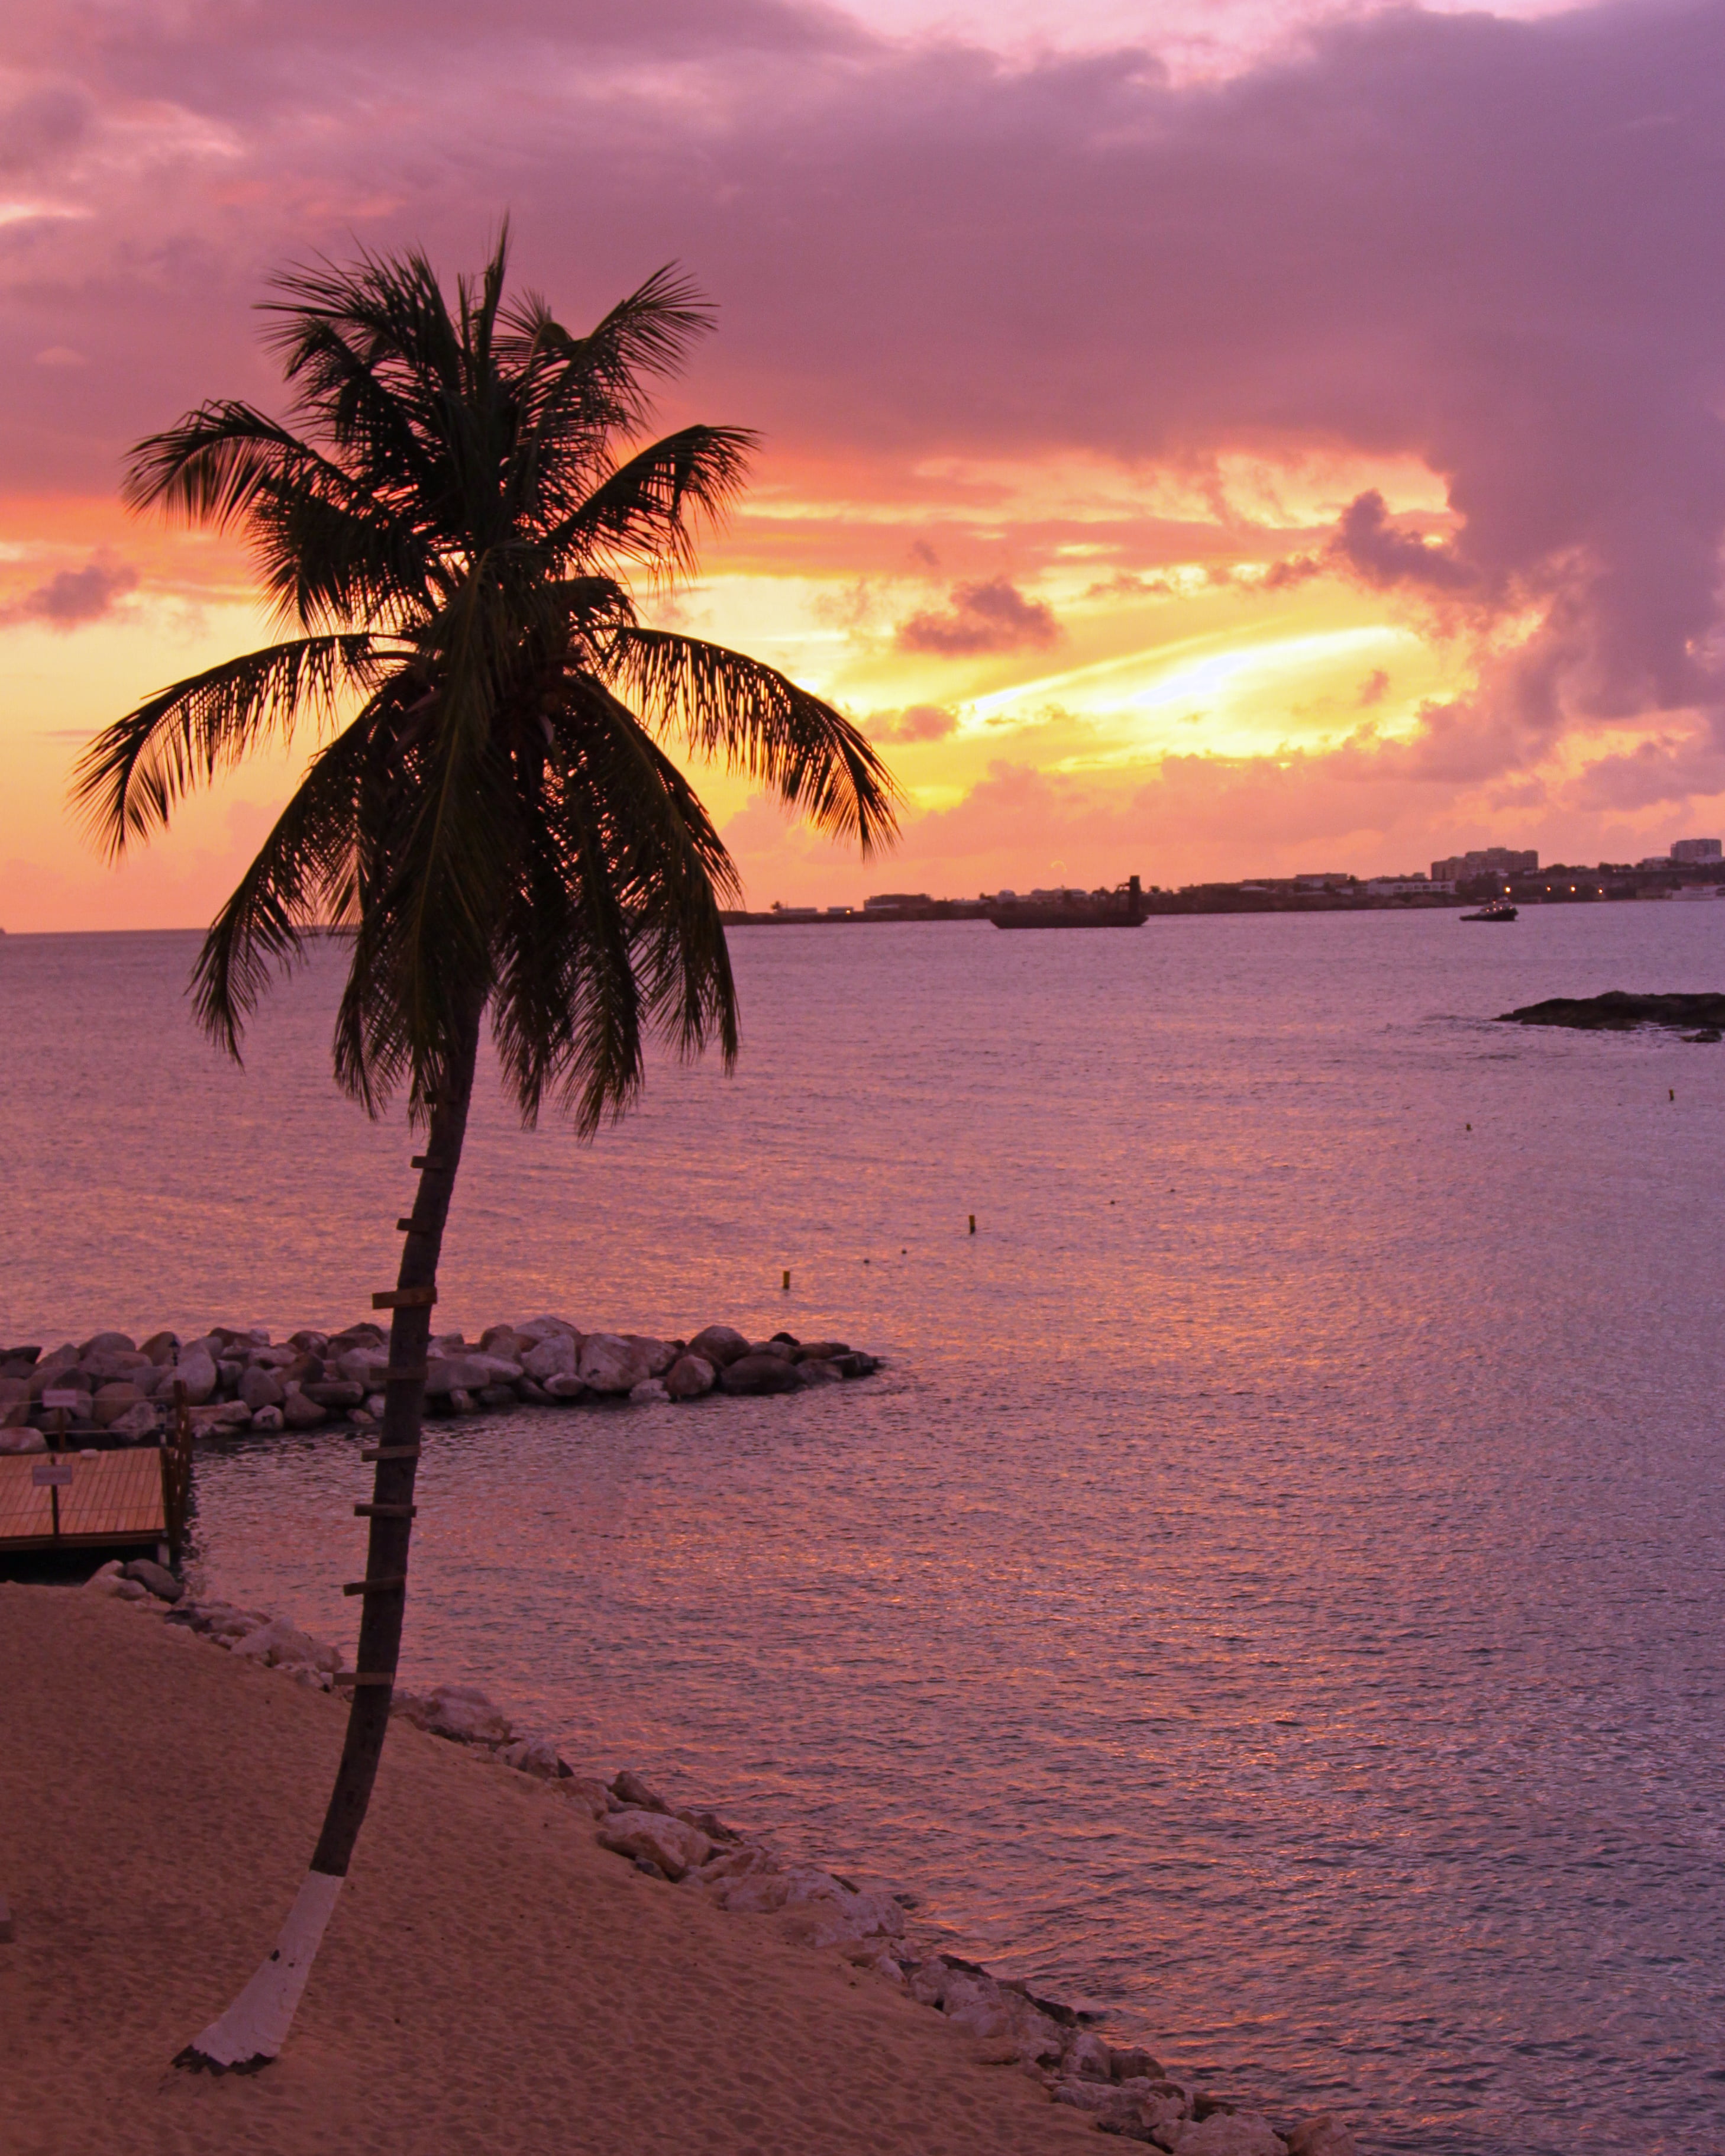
<point x="1368" y="544"/>
<point x="1495" y="246"/>
<point x="991" y="616"/>
<point x="71" y="598"/>
<point x="40" y="123"/>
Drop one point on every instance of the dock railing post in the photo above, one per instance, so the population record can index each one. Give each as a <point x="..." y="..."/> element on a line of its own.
<point x="176" y="1473"/>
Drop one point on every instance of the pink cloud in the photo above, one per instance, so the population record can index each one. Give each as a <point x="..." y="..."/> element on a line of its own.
<point x="71" y="598"/>
<point x="918" y="723"/>
<point x="989" y="616"/>
<point x="1370" y="545"/>
<point x="1497" y="246"/>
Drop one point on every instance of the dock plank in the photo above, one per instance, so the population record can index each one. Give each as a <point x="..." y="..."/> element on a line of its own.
<point x="115" y="1497"/>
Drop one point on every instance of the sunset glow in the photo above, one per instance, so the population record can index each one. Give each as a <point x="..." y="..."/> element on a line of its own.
<point x="1189" y="446"/>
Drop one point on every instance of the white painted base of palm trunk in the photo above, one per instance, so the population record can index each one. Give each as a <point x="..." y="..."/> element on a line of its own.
<point x="255" y="2026"/>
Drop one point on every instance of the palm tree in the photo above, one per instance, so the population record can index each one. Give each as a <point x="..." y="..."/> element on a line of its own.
<point x="447" y="532"/>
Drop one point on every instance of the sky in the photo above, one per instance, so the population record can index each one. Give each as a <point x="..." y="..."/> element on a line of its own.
<point x="1200" y="438"/>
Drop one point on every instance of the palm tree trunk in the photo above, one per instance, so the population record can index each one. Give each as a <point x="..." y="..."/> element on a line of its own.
<point x="253" y="2030"/>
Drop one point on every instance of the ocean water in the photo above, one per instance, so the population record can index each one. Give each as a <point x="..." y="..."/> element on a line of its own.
<point x="1273" y="1594"/>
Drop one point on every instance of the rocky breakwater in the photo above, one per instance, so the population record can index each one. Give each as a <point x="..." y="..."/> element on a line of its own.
<point x="1121" y="2088"/>
<point x="122" y="1390"/>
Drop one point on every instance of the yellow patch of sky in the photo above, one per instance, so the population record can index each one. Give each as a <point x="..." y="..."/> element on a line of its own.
<point x="1227" y="669"/>
<point x="1165" y="645"/>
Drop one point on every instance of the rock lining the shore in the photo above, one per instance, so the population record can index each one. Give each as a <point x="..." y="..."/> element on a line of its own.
<point x="1124" y="2089"/>
<point x="237" y="1379"/>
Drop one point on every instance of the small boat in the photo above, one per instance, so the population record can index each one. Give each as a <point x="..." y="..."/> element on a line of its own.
<point x="1499" y="909"/>
<point x="1121" y="908"/>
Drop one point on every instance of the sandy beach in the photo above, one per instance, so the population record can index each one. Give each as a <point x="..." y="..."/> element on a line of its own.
<point x="492" y="1979"/>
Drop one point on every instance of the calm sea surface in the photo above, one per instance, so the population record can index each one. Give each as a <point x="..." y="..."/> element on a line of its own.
<point x="1274" y="1593"/>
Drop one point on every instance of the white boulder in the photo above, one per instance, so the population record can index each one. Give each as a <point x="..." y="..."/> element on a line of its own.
<point x="467" y="1373"/>
<point x="1086" y="2058"/>
<point x="225" y="1623"/>
<point x="463" y="1714"/>
<point x="719" y="1344"/>
<point x="498" y="1369"/>
<point x="549" y="1328"/>
<point x="277" y="1644"/>
<point x="823" y="1912"/>
<point x="690" y="1377"/>
<point x="533" y="1755"/>
<point x="260" y="1387"/>
<point x="136" y="1425"/>
<point x="555" y="1357"/>
<point x="197" y="1372"/>
<point x="671" y="1843"/>
<point x="360" y="1365"/>
<point x="611" y="1364"/>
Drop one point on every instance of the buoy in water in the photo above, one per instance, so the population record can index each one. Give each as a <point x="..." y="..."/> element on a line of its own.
<point x="787" y="1283"/>
<point x="973" y="1224"/>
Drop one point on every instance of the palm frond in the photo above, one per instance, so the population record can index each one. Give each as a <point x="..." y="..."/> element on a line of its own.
<point x="213" y="464"/>
<point x="645" y="510"/>
<point x="330" y="550"/>
<point x="446" y="832"/>
<point x="375" y="358"/>
<point x="613" y="928"/>
<point x="728" y="706"/>
<point x="596" y="380"/>
<point x="303" y="875"/>
<point x="128" y="778"/>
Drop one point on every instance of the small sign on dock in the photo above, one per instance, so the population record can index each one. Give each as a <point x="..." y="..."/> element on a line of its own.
<point x="135" y="1496"/>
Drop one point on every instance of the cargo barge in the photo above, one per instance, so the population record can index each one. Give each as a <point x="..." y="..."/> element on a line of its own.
<point x="1124" y="908"/>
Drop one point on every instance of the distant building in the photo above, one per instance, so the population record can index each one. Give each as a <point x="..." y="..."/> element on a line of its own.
<point x="889" y="902"/>
<point x="1485" y="860"/>
<point x="1323" y="882"/>
<point x="796" y="912"/>
<point x="1411" y="886"/>
<point x="1697" y="849"/>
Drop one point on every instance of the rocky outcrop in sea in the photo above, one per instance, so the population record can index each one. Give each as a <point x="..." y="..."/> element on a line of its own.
<point x="123" y="1391"/>
<point x="1617" y="1011"/>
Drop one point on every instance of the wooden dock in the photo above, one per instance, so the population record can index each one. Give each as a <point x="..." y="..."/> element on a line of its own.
<point x="134" y="1499"/>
